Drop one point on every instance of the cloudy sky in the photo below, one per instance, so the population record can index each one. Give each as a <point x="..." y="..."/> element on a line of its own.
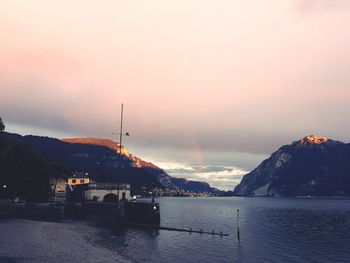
<point x="210" y="88"/>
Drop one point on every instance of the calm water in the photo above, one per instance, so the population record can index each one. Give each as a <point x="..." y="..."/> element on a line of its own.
<point x="271" y="230"/>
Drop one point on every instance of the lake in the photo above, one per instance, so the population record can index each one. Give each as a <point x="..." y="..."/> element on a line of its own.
<point x="271" y="230"/>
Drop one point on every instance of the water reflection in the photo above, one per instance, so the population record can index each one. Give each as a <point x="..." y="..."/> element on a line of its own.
<point x="301" y="235"/>
<point x="271" y="230"/>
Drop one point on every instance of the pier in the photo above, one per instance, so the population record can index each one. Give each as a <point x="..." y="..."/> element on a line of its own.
<point x="188" y="230"/>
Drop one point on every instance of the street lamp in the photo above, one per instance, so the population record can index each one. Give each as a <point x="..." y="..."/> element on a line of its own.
<point x="4" y="187"/>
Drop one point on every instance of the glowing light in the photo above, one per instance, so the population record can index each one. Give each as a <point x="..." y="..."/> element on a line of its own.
<point x="314" y="139"/>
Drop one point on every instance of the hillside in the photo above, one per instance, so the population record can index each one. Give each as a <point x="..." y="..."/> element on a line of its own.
<point x="24" y="173"/>
<point x="312" y="166"/>
<point x="162" y="177"/>
<point x="100" y="159"/>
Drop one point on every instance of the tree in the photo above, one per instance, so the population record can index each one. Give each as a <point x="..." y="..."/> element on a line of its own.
<point x="25" y="174"/>
<point x="2" y="125"/>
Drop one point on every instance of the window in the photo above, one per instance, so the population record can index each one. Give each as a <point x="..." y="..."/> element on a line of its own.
<point x="74" y="181"/>
<point x="81" y="181"/>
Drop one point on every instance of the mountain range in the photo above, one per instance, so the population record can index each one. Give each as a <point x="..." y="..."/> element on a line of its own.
<point x="312" y="166"/>
<point x="100" y="159"/>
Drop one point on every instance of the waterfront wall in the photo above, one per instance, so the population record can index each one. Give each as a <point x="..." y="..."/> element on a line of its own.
<point x="100" y="194"/>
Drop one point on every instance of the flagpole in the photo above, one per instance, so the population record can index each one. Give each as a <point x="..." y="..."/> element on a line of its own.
<point x="120" y="148"/>
<point x="121" y="130"/>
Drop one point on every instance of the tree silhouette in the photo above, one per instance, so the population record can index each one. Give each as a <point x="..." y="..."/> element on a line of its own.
<point x="25" y="174"/>
<point x="2" y="125"/>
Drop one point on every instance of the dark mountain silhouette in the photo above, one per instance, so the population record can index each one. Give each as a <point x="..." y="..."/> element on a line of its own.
<point x="190" y="185"/>
<point x="24" y="173"/>
<point x="100" y="159"/>
<point x="312" y="166"/>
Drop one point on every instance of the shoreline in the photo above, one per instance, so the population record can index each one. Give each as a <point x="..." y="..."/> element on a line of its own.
<point x="24" y="240"/>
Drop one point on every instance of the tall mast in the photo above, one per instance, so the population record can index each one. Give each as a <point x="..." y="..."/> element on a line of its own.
<point x="121" y="131"/>
<point x="120" y="146"/>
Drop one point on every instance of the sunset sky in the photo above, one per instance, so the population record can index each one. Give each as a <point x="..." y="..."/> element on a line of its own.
<point x="210" y="88"/>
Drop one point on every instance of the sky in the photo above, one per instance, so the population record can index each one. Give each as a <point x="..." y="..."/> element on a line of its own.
<point x="210" y="88"/>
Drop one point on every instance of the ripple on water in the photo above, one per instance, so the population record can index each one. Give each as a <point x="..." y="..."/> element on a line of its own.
<point x="272" y="230"/>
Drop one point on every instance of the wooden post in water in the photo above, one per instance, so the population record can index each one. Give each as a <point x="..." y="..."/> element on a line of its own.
<point x="238" y="236"/>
